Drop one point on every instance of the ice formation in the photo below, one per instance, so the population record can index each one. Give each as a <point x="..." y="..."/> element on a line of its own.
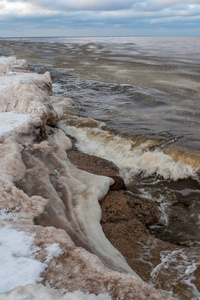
<point x="51" y="242"/>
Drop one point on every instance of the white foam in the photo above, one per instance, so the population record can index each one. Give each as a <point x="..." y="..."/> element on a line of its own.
<point x="178" y="268"/>
<point x="163" y="203"/>
<point x="57" y="88"/>
<point x="131" y="158"/>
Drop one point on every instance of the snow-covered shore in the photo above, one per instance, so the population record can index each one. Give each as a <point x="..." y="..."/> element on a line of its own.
<point x="51" y="241"/>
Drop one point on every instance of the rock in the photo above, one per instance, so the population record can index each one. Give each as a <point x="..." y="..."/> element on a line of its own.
<point x="92" y="164"/>
<point x="118" y="185"/>
<point x="125" y="217"/>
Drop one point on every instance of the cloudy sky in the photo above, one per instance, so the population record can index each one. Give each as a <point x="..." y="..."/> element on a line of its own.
<point x="99" y="17"/>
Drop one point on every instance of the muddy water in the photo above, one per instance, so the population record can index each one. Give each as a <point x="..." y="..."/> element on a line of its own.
<point x="144" y="94"/>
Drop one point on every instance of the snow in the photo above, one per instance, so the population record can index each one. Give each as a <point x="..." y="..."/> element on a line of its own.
<point x="53" y="250"/>
<point x="18" y="265"/>
<point x="20" y="268"/>
<point x="39" y="292"/>
<point x="11" y="120"/>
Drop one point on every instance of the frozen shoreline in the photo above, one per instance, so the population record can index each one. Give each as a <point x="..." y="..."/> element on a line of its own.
<point x="47" y="199"/>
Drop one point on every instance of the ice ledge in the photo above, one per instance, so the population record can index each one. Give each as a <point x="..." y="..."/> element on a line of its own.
<point x="43" y="195"/>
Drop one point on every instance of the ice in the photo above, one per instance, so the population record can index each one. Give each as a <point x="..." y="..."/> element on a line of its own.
<point x="31" y="292"/>
<point x="49" y="210"/>
<point x="11" y="120"/>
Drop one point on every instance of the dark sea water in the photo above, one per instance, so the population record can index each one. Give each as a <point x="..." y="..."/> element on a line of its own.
<point x="144" y="93"/>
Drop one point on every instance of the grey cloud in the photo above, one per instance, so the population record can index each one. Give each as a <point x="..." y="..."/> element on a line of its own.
<point x="108" y="5"/>
<point x="156" y="5"/>
<point x="94" y="5"/>
<point x="104" y="17"/>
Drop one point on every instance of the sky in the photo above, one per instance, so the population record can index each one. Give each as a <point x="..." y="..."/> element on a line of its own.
<point x="26" y="18"/>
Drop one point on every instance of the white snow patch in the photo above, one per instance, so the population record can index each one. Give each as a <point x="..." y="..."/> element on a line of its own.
<point x="18" y="265"/>
<point x="40" y="292"/>
<point x="5" y="214"/>
<point x="11" y="120"/>
<point x="53" y="250"/>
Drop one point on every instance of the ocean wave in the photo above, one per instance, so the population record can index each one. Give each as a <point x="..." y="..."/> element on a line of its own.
<point x="133" y="155"/>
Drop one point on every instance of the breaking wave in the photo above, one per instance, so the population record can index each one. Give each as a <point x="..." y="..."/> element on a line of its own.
<point x="133" y="155"/>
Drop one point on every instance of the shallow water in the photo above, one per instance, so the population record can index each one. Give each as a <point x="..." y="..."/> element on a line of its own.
<point x="144" y="92"/>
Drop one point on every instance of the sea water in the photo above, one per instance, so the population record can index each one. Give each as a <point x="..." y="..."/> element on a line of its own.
<point x="144" y="94"/>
